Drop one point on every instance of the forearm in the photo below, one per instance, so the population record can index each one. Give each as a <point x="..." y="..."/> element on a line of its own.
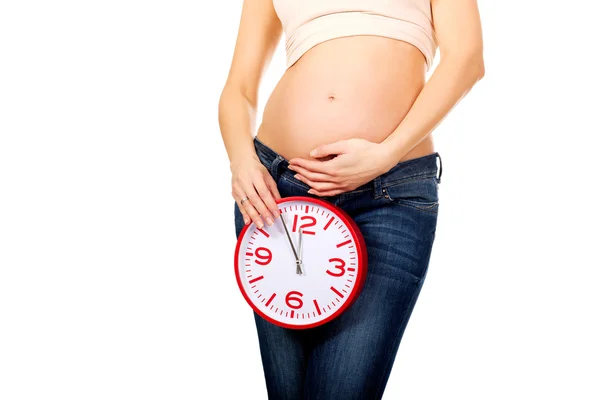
<point x="450" y="82"/>
<point x="237" y="118"/>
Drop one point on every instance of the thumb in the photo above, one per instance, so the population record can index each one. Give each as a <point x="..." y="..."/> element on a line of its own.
<point x="338" y="147"/>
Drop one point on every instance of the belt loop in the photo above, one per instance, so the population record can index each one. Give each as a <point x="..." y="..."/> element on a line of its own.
<point x="275" y="167"/>
<point x="377" y="192"/>
<point x="439" y="179"/>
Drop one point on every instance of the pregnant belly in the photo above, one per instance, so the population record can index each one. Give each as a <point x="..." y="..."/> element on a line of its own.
<point x="354" y="87"/>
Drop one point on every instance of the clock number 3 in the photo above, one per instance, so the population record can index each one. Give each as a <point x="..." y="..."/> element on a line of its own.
<point x="340" y="267"/>
<point x="313" y="222"/>
<point x="294" y="296"/>
<point x="263" y="256"/>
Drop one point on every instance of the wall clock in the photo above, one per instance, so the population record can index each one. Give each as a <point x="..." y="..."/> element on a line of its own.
<point x="305" y="269"/>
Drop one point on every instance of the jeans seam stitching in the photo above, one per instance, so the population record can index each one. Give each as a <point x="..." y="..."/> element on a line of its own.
<point x="427" y="208"/>
<point x="299" y="184"/>
<point x="408" y="179"/>
<point x="351" y="192"/>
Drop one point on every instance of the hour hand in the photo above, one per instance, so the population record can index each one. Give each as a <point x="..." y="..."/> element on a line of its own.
<point x="299" y="269"/>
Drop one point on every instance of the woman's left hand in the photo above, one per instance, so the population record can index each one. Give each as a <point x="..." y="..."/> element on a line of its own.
<point x="355" y="162"/>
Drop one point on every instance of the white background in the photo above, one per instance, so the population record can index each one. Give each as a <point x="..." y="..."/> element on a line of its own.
<point x="116" y="221"/>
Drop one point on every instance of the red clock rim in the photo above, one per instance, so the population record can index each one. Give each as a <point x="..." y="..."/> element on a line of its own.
<point x="361" y="255"/>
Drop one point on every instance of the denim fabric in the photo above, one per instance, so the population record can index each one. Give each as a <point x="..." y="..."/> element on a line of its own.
<point x="351" y="357"/>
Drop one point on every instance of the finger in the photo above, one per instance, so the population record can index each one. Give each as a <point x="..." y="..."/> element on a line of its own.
<point x="320" y="186"/>
<point x="323" y="167"/>
<point x="238" y="195"/>
<point x="271" y="210"/>
<point x="243" y="212"/>
<point x="272" y="185"/>
<point x="313" y="176"/>
<point x="249" y="205"/>
<point x="274" y="208"/>
<point x="339" y="147"/>
<point x="253" y="214"/>
<point x="257" y="201"/>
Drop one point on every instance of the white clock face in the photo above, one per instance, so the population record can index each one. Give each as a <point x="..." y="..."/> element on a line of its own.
<point x="329" y="274"/>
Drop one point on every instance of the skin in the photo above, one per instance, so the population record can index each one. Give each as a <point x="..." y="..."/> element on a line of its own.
<point x="384" y="114"/>
<point x="258" y="35"/>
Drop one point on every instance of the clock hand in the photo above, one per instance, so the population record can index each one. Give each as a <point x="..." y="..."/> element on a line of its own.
<point x="299" y="269"/>
<point x="298" y="262"/>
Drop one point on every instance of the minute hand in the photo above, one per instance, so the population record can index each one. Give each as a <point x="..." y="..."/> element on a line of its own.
<point x="298" y="262"/>
<point x="299" y="265"/>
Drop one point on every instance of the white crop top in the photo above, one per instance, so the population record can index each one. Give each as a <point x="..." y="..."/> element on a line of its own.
<point x="307" y="23"/>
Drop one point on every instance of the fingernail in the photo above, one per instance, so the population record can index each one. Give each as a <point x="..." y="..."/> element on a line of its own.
<point x="269" y="221"/>
<point x="313" y="153"/>
<point x="296" y="176"/>
<point x="246" y="220"/>
<point x="311" y="191"/>
<point x="291" y="167"/>
<point x="259" y="225"/>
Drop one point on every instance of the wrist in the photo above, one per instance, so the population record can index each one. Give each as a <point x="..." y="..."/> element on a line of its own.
<point x="388" y="155"/>
<point x="243" y="158"/>
<point x="395" y="147"/>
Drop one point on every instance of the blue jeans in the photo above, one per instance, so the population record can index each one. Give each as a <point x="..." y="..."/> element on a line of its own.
<point x="351" y="356"/>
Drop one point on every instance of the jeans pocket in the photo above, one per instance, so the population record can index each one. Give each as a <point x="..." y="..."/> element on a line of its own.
<point x="418" y="193"/>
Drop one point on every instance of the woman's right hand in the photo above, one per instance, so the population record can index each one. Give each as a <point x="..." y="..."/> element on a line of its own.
<point x="250" y="178"/>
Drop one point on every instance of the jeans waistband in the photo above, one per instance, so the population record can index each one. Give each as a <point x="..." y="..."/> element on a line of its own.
<point x="420" y="167"/>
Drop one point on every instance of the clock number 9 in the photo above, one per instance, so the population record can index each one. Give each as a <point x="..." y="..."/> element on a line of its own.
<point x="289" y="298"/>
<point x="263" y="256"/>
<point x="313" y="222"/>
<point x="340" y="266"/>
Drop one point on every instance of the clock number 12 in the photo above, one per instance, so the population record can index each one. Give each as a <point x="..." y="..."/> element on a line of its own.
<point x="313" y="222"/>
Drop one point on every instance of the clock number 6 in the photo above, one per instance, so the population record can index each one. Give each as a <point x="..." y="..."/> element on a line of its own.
<point x="313" y="222"/>
<point x="290" y="297"/>
<point x="263" y="256"/>
<point x="340" y="266"/>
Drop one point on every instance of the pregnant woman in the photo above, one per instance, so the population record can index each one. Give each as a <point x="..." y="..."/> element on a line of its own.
<point x="349" y="122"/>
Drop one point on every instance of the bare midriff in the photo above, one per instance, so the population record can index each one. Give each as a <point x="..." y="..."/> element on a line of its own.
<point x="350" y="87"/>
